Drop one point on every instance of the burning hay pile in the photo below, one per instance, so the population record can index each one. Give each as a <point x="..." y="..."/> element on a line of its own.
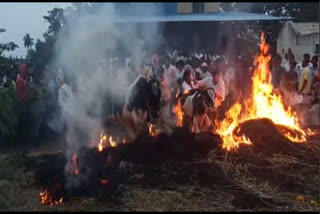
<point x="185" y="171"/>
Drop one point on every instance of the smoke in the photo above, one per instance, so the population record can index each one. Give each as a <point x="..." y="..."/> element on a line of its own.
<point x="83" y="50"/>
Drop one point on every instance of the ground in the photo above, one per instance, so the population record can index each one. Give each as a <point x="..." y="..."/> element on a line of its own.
<point x="276" y="182"/>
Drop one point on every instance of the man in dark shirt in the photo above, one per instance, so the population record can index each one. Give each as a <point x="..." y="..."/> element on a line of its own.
<point x="277" y="71"/>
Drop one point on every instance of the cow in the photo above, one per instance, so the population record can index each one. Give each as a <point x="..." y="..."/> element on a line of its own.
<point x="142" y="105"/>
<point x="195" y="105"/>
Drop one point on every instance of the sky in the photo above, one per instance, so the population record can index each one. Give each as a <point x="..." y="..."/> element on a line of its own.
<point x="21" y="18"/>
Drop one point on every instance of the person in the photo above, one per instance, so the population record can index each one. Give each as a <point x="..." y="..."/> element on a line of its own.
<point x="282" y="53"/>
<point x="64" y="96"/>
<point x="187" y="81"/>
<point x="22" y="91"/>
<point x="304" y="88"/>
<point x="204" y="70"/>
<point x="289" y="85"/>
<point x="227" y="72"/>
<point x="218" y="85"/>
<point x="314" y="62"/>
<point x="180" y="66"/>
<point x="291" y="55"/>
<point x="285" y="63"/>
<point x="315" y="84"/>
<point x="306" y="58"/>
<point x="277" y="71"/>
<point x="22" y="85"/>
<point x="37" y="104"/>
<point x="170" y="71"/>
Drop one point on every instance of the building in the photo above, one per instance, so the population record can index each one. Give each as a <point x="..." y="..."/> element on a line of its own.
<point x="198" y="7"/>
<point x="166" y="8"/>
<point x="301" y="37"/>
<point x="196" y="25"/>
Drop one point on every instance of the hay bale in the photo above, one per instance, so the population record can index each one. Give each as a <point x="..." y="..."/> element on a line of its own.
<point x="264" y="135"/>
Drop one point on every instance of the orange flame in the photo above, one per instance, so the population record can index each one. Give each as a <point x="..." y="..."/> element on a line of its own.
<point x="153" y="131"/>
<point x="103" y="139"/>
<point x="179" y="113"/>
<point x="263" y="103"/>
<point x="46" y="199"/>
<point x="112" y="142"/>
<point x="75" y="164"/>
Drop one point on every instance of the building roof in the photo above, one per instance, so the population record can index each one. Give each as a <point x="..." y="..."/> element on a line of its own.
<point x="304" y="28"/>
<point x="217" y="16"/>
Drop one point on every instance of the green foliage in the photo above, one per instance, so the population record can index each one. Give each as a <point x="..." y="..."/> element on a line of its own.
<point x="43" y="53"/>
<point x="28" y="41"/>
<point x="56" y="20"/>
<point x="8" y="118"/>
<point x="11" y="46"/>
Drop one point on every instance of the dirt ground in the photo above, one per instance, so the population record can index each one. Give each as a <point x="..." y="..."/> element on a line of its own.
<point x="276" y="182"/>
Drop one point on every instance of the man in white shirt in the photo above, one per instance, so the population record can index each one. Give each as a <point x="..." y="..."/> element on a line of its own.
<point x="204" y="71"/>
<point x="218" y="85"/>
<point x="285" y="63"/>
<point x="64" y="96"/>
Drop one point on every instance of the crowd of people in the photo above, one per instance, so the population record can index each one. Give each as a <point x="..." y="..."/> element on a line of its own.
<point x="228" y="77"/>
<point x="298" y="82"/>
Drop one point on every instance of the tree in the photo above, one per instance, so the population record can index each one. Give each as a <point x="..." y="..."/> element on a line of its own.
<point x="56" y="20"/>
<point x="43" y="52"/>
<point x="28" y="41"/>
<point x="11" y="46"/>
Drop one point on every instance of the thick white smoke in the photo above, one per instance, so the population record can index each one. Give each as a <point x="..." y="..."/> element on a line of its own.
<point x="83" y="49"/>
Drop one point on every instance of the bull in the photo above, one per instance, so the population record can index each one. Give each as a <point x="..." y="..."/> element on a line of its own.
<point x="142" y="105"/>
<point x="195" y="105"/>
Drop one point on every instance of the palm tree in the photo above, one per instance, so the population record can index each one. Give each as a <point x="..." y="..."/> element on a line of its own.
<point x="28" y="41"/>
<point x="12" y="46"/>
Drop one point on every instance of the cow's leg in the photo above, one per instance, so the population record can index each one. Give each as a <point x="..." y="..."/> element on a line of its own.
<point x="128" y="123"/>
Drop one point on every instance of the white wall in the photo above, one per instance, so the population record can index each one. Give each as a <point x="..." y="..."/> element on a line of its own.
<point x="287" y="39"/>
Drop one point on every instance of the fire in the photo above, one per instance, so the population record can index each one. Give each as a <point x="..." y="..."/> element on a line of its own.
<point x="104" y="138"/>
<point x="46" y="199"/>
<point x="153" y="131"/>
<point x="75" y="165"/>
<point x="186" y="92"/>
<point x="179" y="113"/>
<point x="112" y="142"/>
<point x="263" y="103"/>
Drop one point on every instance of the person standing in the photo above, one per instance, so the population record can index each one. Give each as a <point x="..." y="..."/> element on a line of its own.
<point x="64" y="96"/>
<point x="277" y="72"/>
<point x="306" y="58"/>
<point x="23" y="107"/>
<point x="22" y="85"/>
<point x="285" y="63"/>
<point x="304" y="88"/>
<point x="315" y="83"/>
<point x="289" y="85"/>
